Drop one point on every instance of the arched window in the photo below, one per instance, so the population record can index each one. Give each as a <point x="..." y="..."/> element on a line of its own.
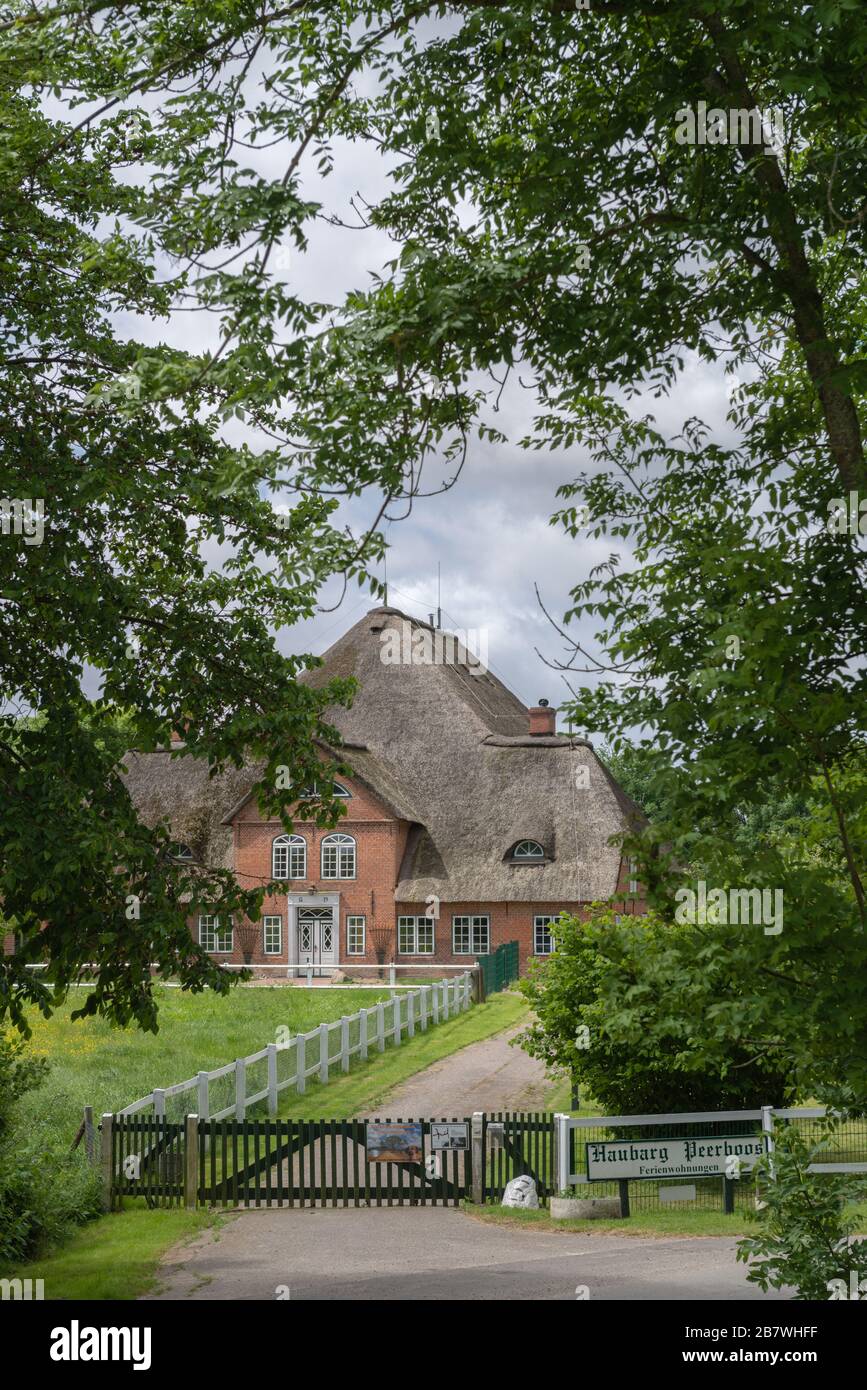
<point x="316" y="790"/>
<point x="289" y="857"/>
<point x="338" y="856"/>
<point x="181" y="852"/>
<point x="526" y="851"/>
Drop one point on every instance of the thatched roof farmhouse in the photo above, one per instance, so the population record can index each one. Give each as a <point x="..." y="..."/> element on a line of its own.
<point x="469" y="821"/>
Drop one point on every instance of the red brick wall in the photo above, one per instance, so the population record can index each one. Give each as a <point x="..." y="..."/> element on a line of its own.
<point x="380" y="844"/>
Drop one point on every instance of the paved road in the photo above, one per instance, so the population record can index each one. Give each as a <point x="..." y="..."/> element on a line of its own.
<point x="489" y="1075"/>
<point x="394" y="1254"/>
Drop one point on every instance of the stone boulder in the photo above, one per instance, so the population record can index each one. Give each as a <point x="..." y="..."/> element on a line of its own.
<point x="521" y="1192"/>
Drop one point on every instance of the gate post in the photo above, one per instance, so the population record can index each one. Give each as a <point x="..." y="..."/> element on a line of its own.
<point x="105" y="1155"/>
<point x="191" y="1163"/>
<point x="344" y="1043"/>
<point x="477" y="1133"/>
<point x="380" y="1026"/>
<point x="768" y="1132"/>
<point x="424" y="1006"/>
<point x="445" y="999"/>
<point x="362" y="1034"/>
<point x="395" y="1009"/>
<point x="410" y="1015"/>
<point x="561" y="1151"/>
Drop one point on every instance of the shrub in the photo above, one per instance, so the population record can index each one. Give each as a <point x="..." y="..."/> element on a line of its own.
<point x="42" y="1191"/>
<point x="598" y="1019"/>
<point x="805" y="1242"/>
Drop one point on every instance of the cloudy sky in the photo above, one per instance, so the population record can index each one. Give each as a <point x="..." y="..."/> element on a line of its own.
<point x="490" y="535"/>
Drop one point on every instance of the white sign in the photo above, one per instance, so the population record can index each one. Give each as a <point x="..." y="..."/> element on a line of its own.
<point x="449" y="1137"/>
<point x="671" y="1158"/>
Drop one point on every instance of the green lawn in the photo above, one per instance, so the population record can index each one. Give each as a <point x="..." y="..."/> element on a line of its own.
<point x="93" y="1063"/>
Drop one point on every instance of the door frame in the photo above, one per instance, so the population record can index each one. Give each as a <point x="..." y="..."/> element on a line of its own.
<point x="294" y="902"/>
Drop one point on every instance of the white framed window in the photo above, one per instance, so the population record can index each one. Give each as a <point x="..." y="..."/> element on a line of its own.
<point x="272" y="935"/>
<point x="355" y="935"/>
<point x="314" y="792"/>
<point x="543" y="941"/>
<point x="338" y="856"/>
<point x="415" y="936"/>
<point x="289" y="857"/>
<point x="528" y="851"/>
<point x="181" y="852"/>
<point x="633" y="881"/>
<point x="214" y="938"/>
<point x="471" y="936"/>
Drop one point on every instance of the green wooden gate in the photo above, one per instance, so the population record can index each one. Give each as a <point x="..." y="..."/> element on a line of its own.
<point x="147" y="1160"/>
<point x="500" y="968"/>
<point x="277" y="1163"/>
<point x="514" y="1144"/>
<point x="310" y="1163"/>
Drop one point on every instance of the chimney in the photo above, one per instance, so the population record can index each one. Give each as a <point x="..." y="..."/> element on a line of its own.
<point x="543" y="720"/>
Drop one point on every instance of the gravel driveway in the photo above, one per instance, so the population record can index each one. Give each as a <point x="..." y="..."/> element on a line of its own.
<point x="489" y="1075"/>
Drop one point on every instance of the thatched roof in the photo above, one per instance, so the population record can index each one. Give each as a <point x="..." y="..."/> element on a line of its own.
<point x="480" y="781"/>
<point x="448" y="750"/>
<point x="166" y="786"/>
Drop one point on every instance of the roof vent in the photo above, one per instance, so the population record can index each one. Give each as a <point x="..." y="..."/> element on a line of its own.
<point x="543" y="720"/>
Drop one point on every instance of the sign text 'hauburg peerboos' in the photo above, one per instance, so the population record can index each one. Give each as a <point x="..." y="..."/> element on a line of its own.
<point x="673" y="1158"/>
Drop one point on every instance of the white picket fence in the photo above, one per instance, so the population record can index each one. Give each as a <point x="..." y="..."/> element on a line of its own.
<point x="263" y="1075"/>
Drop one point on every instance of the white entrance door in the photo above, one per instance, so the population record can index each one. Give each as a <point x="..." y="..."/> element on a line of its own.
<point x="317" y="937"/>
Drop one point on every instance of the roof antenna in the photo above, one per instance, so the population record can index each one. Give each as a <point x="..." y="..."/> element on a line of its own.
<point x="439" y="609"/>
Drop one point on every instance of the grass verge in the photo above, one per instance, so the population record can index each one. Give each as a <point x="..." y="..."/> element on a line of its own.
<point x="116" y="1256"/>
<point x="651" y="1223"/>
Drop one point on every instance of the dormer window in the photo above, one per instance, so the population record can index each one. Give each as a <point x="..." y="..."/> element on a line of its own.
<point x="316" y="791"/>
<point x="528" y="852"/>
